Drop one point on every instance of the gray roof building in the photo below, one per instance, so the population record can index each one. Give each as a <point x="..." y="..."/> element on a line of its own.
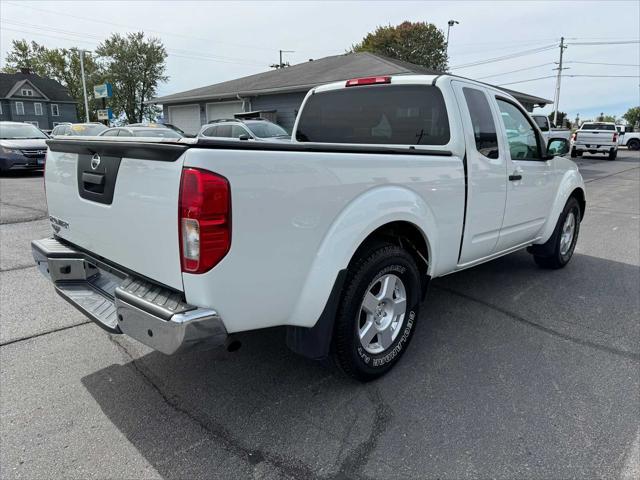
<point x="27" y="97"/>
<point x="283" y="90"/>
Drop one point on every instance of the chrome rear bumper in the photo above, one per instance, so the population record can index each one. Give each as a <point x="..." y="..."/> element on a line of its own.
<point x="121" y="303"/>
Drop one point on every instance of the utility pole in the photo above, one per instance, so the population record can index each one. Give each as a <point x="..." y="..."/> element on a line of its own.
<point x="450" y="24"/>
<point x="557" y="97"/>
<point x="280" y="64"/>
<point x="84" y="86"/>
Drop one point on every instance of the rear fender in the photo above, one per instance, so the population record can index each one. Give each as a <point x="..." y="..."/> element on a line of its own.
<point x="361" y="217"/>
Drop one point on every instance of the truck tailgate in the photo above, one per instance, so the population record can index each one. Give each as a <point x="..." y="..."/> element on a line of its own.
<point x="118" y="200"/>
<point x="595" y="137"/>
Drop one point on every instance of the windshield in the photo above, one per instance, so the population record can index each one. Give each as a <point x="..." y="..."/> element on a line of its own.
<point x="84" y="130"/>
<point x="266" y="129"/>
<point x="14" y="132"/>
<point x="156" y="132"/>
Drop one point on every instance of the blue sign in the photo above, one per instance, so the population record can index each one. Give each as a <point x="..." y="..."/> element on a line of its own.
<point x="102" y="91"/>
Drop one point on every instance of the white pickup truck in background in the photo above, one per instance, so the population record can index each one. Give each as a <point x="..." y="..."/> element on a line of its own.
<point x="549" y="130"/>
<point x="387" y="183"/>
<point x="595" y="138"/>
<point x="628" y="138"/>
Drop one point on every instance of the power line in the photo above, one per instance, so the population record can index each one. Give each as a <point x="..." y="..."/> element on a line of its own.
<point x="529" y="80"/>
<point x="611" y="64"/>
<point x="138" y="27"/>
<point x="624" y="42"/>
<point x="505" y="57"/>
<point x="514" y="71"/>
<point x="173" y="52"/>
<point x="573" y="76"/>
<point x="605" y="76"/>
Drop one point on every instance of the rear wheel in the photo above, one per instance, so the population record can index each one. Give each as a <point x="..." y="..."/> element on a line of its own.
<point x="574" y="154"/>
<point x="378" y="312"/>
<point x="613" y="153"/>
<point x="633" y="144"/>
<point x="558" y="250"/>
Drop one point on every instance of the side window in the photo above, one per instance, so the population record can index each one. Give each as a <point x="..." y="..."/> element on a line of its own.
<point x="111" y="133"/>
<point x="211" y="132"/>
<point x="522" y="138"/>
<point x="124" y="133"/>
<point x="224" y="131"/>
<point x="237" y="131"/>
<point x="484" y="128"/>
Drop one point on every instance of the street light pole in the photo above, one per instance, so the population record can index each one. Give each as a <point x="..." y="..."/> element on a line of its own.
<point x="84" y="86"/>
<point x="450" y="24"/>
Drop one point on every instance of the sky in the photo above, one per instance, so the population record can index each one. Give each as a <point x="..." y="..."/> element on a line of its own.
<point x="210" y="42"/>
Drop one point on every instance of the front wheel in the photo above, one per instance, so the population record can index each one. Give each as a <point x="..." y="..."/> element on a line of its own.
<point x="559" y="249"/>
<point x="378" y="312"/>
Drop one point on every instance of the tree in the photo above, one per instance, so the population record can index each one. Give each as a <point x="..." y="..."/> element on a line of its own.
<point x="60" y="64"/>
<point x="561" y="117"/>
<point x="134" y="66"/>
<point x="632" y="116"/>
<point x="606" y="118"/>
<point x="421" y="43"/>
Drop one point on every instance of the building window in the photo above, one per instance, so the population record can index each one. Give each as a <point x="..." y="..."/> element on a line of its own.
<point x="0" y="108"/>
<point x="27" y="92"/>
<point x="19" y="108"/>
<point x="55" y="111"/>
<point x="38" y="108"/>
<point x="34" y="123"/>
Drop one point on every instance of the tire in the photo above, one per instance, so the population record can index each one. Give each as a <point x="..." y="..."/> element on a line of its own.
<point x="574" y="154"/>
<point x="558" y="250"/>
<point x="385" y="330"/>
<point x="613" y="153"/>
<point x="633" y="144"/>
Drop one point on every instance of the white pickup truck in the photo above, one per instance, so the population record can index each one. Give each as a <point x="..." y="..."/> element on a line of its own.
<point x="388" y="182"/>
<point x="627" y="137"/>
<point x="594" y="138"/>
<point x="549" y="130"/>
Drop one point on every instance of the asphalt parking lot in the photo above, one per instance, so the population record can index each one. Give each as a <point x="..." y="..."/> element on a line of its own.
<point x="514" y="372"/>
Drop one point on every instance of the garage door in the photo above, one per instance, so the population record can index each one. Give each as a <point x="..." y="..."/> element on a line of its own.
<point x="187" y="117"/>
<point x="215" y="111"/>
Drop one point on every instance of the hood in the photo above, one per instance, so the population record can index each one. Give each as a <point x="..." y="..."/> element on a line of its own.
<point x="25" y="144"/>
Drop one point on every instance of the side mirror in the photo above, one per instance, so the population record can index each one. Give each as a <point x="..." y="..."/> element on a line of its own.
<point x="557" y="147"/>
<point x="244" y="136"/>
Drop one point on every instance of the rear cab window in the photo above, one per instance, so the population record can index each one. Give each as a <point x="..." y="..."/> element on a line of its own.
<point x="598" y="126"/>
<point x="376" y="114"/>
<point x="484" y="128"/>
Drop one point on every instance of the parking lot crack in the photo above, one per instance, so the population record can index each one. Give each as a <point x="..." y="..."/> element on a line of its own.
<point x="294" y="469"/>
<point x="19" y="267"/>
<point x="25" y="207"/>
<point x="41" y="334"/>
<point x="351" y="467"/>
<point x="586" y="343"/>
<point x="610" y="175"/>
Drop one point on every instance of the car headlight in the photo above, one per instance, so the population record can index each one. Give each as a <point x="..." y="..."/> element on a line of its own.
<point x="10" y="150"/>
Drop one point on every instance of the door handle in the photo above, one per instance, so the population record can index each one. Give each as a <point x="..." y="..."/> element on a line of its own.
<point x="514" y="177"/>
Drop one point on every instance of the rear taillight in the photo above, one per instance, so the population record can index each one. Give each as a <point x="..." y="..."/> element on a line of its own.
<point x="367" y="81"/>
<point x="574" y="136"/>
<point x="615" y="137"/>
<point x="204" y="219"/>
